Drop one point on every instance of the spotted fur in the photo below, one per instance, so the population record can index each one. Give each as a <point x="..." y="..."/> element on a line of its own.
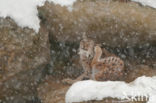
<point x="109" y="68"/>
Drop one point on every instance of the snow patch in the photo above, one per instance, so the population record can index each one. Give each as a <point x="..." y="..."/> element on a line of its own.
<point x="151" y="3"/>
<point x="94" y="90"/>
<point x="24" y="12"/>
<point x="63" y="2"/>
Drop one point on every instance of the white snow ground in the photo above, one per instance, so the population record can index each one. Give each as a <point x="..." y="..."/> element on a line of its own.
<point x="151" y="3"/>
<point x="24" y="12"/>
<point x="63" y="2"/>
<point x="94" y="90"/>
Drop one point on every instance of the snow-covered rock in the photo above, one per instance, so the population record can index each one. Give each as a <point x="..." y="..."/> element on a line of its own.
<point x="24" y="12"/>
<point x="94" y="90"/>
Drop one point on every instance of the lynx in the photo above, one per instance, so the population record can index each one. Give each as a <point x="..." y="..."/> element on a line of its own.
<point x="86" y="52"/>
<point x="108" y="68"/>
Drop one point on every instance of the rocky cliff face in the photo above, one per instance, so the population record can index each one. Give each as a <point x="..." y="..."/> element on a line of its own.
<point x="23" y="57"/>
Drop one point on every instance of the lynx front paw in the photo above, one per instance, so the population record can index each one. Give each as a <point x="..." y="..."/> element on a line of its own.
<point x="68" y="81"/>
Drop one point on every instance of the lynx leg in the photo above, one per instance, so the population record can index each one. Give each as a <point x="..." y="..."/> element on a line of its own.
<point x="68" y="81"/>
<point x="81" y="77"/>
<point x="101" y="75"/>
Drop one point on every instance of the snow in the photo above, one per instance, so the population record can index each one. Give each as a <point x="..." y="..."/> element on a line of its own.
<point x="24" y="12"/>
<point x="94" y="90"/>
<point x="151" y="3"/>
<point x="63" y="2"/>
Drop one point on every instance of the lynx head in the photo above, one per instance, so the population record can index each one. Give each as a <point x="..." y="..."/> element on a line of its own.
<point x="86" y="47"/>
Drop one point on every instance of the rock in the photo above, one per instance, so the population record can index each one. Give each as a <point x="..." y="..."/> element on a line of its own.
<point x="52" y="91"/>
<point x="22" y="86"/>
<point x="138" y="71"/>
<point x="115" y="24"/>
<point x="64" y="58"/>
<point x="24" y="55"/>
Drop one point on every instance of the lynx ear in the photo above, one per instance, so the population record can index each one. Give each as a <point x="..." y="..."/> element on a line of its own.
<point x="95" y="48"/>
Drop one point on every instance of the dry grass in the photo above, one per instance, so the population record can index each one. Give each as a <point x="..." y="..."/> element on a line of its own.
<point x="113" y="23"/>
